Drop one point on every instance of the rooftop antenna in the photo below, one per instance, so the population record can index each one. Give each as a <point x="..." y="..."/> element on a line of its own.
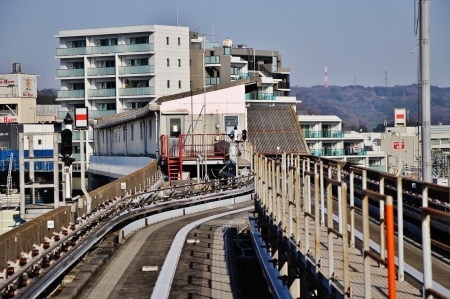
<point x="354" y="82"/>
<point x="326" y="75"/>
<point x="386" y="78"/>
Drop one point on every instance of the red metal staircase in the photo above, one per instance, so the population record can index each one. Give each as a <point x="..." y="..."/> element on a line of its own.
<point x="173" y="157"/>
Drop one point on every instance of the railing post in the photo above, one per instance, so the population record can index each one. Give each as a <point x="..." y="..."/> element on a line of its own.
<point x="278" y="191"/>
<point x="352" y="209"/>
<point x="297" y="204"/>
<point x="339" y="178"/>
<point x="274" y="190"/>
<point x="330" y="235"/>
<point x="283" y="197"/>
<point x="345" y="244"/>
<point x="307" y="187"/>
<point x="382" y="224"/>
<point x="366" y="240"/>
<point x="401" y="255"/>
<point x="390" y="246"/>
<point x="266" y="186"/>
<point x="426" y="246"/>
<point x="322" y="196"/>
<point x="317" y="219"/>
<point x="291" y="197"/>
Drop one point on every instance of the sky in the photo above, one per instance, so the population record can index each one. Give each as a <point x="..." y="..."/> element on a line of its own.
<point x="358" y="39"/>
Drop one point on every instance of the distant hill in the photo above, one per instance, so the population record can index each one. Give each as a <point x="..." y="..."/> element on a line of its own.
<point x="360" y="106"/>
<point x="46" y="96"/>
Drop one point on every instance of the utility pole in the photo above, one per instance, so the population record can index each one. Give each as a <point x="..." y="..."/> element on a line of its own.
<point x="424" y="84"/>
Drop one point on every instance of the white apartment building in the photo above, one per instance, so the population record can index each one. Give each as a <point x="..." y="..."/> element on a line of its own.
<point x="111" y="70"/>
<point x="325" y="137"/>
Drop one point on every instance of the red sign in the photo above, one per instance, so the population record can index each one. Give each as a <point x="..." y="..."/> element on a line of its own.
<point x="400" y="116"/>
<point x="9" y="119"/>
<point x="81" y="117"/>
<point x="397" y="145"/>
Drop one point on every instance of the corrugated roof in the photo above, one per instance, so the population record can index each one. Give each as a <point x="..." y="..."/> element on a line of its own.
<point x="270" y="127"/>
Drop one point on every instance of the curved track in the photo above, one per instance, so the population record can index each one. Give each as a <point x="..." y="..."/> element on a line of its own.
<point x="123" y="276"/>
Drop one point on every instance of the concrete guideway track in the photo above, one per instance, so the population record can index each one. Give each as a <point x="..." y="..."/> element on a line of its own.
<point x="123" y="277"/>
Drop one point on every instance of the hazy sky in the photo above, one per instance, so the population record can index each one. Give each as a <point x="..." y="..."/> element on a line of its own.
<point x="357" y="38"/>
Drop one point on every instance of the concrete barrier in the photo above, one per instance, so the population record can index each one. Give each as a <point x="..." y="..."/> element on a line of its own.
<point x="22" y="238"/>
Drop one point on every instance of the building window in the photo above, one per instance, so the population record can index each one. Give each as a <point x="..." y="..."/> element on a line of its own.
<point x="167" y="40"/>
<point x="175" y="127"/>
<point x="39" y="141"/>
<point x="139" y="40"/>
<point x="179" y="84"/>
<point x="108" y="42"/>
<point x="136" y="62"/>
<point x="150" y="128"/>
<point x="142" y="130"/>
<point x="116" y="135"/>
<point x="124" y="130"/>
<point x="132" y="132"/>
<point x="78" y="86"/>
<point x="168" y="62"/>
<point x="179" y="41"/>
<point x="168" y="83"/>
<point x="179" y="62"/>
<point x="107" y="106"/>
<point x="138" y="83"/>
<point x="103" y="137"/>
<point x="107" y="63"/>
<point x="79" y="44"/>
<point x="108" y="85"/>
<point x="230" y="121"/>
<point x="78" y="64"/>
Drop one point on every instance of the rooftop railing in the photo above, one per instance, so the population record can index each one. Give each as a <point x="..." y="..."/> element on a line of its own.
<point x="101" y="71"/>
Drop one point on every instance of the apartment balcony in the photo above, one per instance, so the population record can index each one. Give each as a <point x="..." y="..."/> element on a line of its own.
<point x="137" y="91"/>
<point x="70" y="94"/>
<point x="212" y="60"/>
<point x="243" y="76"/>
<point x="205" y="45"/>
<point x="265" y="96"/>
<point x="212" y="81"/>
<point x="284" y="85"/>
<point x="101" y="71"/>
<point x="323" y="134"/>
<point x="336" y="152"/>
<point x="94" y="93"/>
<point x="104" y="50"/>
<point x="137" y="69"/>
<point x="70" y="73"/>
<point x="91" y="113"/>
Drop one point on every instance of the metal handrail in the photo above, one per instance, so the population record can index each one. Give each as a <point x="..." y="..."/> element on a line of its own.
<point x="427" y="213"/>
<point x="390" y="241"/>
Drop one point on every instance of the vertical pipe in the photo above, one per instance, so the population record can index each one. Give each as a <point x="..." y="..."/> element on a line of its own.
<point x="390" y="246"/>
<point x="401" y="255"/>
<point x="83" y="180"/>
<point x="55" y="170"/>
<point x="366" y="238"/>
<point x="306" y="199"/>
<point x="22" y="175"/>
<point x="31" y="166"/>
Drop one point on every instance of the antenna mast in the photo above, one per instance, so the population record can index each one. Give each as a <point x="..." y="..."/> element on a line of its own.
<point x="326" y="75"/>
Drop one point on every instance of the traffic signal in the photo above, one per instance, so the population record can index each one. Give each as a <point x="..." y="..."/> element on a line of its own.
<point x="66" y="143"/>
<point x="244" y="135"/>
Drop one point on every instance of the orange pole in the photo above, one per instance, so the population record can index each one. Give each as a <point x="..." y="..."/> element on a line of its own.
<point x="390" y="249"/>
